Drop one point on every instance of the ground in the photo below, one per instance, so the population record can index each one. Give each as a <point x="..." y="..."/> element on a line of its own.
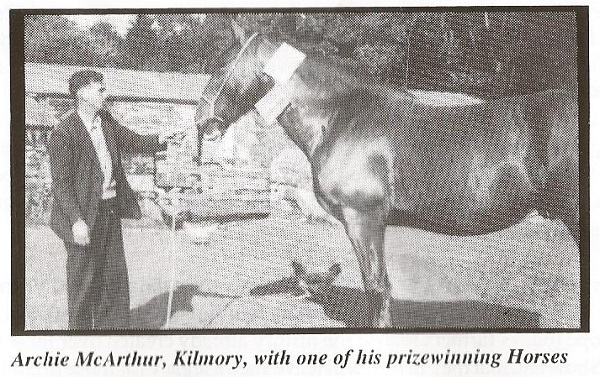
<point x="526" y="276"/>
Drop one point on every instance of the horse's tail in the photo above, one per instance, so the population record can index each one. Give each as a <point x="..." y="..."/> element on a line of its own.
<point x="553" y="116"/>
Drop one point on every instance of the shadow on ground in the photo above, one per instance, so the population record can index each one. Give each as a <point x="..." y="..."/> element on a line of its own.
<point x="347" y="305"/>
<point x="153" y="314"/>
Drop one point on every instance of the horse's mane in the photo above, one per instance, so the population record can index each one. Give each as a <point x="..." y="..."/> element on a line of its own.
<point x="331" y="81"/>
<point x="331" y="74"/>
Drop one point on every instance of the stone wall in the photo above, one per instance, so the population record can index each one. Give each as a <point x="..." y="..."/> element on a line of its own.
<point x="237" y="166"/>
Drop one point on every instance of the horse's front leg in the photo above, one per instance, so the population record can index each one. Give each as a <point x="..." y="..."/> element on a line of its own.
<point x="366" y="231"/>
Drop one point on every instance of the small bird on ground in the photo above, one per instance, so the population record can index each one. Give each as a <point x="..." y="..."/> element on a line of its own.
<point x="315" y="283"/>
<point x="199" y="233"/>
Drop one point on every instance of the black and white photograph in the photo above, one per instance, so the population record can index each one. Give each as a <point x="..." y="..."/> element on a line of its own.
<point x="197" y="171"/>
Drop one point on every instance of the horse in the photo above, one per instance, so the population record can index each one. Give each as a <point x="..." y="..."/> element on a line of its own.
<point x="379" y="156"/>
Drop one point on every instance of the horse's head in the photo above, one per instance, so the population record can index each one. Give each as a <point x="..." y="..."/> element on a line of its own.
<point x="234" y="89"/>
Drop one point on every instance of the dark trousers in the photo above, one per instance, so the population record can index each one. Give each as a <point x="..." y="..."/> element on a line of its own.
<point x="97" y="281"/>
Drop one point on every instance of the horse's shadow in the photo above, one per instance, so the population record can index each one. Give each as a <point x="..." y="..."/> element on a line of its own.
<point x="153" y="314"/>
<point x="348" y="305"/>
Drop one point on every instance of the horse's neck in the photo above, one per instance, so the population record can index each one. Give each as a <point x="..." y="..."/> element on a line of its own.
<point x="308" y="115"/>
<point x="304" y="125"/>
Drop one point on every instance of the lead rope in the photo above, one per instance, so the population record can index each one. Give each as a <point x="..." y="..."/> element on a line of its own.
<point x="172" y="255"/>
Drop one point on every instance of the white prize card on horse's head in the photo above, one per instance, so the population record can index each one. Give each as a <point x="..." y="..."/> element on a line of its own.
<point x="284" y="62"/>
<point x="273" y="103"/>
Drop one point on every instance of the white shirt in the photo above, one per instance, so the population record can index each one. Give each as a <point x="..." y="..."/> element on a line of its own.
<point x="109" y="185"/>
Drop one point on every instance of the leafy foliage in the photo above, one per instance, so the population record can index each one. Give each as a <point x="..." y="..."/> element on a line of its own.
<point x="141" y="44"/>
<point x="489" y="54"/>
<point x="52" y="39"/>
<point x="106" y="44"/>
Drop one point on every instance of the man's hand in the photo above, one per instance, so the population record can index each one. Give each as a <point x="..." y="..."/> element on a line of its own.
<point x="171" y="206"/>
<point x="81" y="234"/>
<point x="173" y="135"/>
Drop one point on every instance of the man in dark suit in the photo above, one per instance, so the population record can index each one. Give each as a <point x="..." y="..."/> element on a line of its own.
<point x="91" y="195"/>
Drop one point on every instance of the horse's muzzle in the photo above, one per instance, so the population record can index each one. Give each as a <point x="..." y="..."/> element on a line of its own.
<point x="209" y="129"/>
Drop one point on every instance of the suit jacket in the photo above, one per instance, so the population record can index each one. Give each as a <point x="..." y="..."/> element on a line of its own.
<point x="77" y="176"/>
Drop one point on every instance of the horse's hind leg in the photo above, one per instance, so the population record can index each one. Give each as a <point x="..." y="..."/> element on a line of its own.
<point x="561" y="196"/>
<point x="561" y="189"/>
<point x="366" y="231"/>
<point x="570" y="216"/>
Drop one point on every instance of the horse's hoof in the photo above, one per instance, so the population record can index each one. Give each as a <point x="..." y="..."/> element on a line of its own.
<point x="385" y="324"/>
<point x="384" y="320"/>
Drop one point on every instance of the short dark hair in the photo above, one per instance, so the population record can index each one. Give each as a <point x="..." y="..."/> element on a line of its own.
<point x="82" y="78"/>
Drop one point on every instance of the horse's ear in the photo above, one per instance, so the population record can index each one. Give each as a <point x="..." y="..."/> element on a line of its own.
<point x="239" y="33"/>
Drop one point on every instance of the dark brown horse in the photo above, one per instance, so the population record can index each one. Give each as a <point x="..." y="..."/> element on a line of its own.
<point x="378" y="155"/>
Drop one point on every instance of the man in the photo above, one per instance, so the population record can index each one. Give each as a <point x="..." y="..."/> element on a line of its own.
<point x="91" y="195"/>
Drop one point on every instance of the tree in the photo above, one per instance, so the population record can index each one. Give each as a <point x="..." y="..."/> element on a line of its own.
<point x="489" y="54"/>
<point x="544" y="53"/>
<point x="366" y="43"/>
<point x="106" y="44"/>
<point x="218" y="38"/>
<point x="180" y="40"/>
<point x="55" y="39"/>
<point x="141" y="44"/>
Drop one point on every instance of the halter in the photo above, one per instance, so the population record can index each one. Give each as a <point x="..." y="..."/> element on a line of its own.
<point x="211" y="102"/>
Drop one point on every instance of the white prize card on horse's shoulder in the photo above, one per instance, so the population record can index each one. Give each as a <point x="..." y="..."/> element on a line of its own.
<point x="284" y="62"/>
<point x="273" y="103"/>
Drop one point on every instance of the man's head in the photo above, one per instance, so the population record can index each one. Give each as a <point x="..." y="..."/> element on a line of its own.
<point x="87" y="87"/>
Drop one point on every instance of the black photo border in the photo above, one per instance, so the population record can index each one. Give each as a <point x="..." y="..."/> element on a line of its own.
<point x="17" y="169"/>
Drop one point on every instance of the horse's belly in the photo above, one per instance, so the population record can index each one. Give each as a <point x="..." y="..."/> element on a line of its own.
<point x="464" y="205"/>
